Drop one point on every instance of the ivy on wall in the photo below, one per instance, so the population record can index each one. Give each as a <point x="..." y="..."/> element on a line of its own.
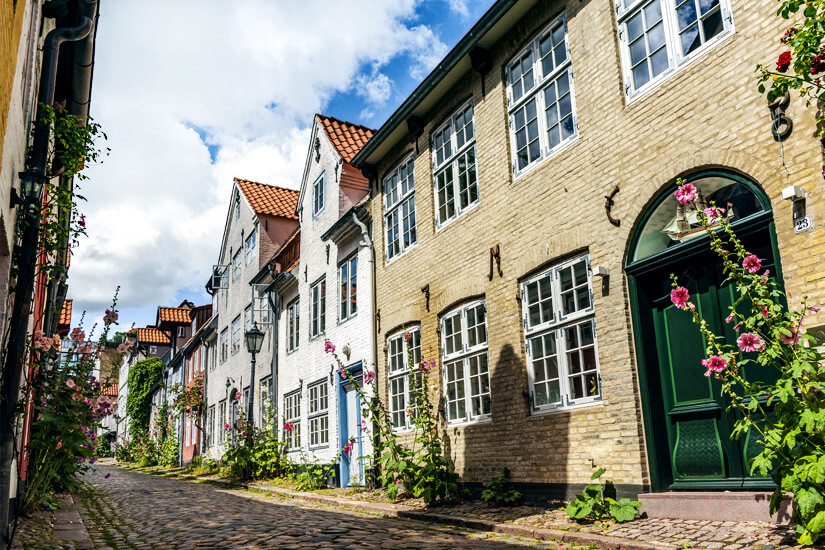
<point x="142" y="378"/>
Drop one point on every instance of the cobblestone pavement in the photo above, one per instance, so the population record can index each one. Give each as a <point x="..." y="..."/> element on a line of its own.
<point x="126" y="509"/>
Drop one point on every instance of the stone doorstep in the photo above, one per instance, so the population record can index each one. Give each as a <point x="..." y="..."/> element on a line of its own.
<point x="715" y="506"/>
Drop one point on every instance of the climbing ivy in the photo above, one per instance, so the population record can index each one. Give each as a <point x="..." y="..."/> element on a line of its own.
<point x="142" y="378"/>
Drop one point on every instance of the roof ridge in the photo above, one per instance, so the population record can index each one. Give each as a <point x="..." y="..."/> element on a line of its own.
<point x="342" y="121"/>
<point x="237" y="179"/>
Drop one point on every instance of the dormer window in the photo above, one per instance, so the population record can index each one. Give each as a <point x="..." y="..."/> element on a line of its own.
<point x="318" y="189"/>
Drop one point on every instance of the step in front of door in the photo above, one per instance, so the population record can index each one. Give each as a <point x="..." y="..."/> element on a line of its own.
<point x="714" y="506"/>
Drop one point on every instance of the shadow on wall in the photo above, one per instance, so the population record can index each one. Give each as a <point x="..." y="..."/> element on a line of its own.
<point x="534" y="448"/>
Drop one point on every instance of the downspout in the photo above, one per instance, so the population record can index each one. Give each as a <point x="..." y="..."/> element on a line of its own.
<point x="273" y="306"/>
<point x="26" y="259"/>
<point x="367" y="242"/>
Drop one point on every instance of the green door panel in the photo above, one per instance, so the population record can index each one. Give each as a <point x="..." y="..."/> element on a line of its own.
<point x="698" y="451"/>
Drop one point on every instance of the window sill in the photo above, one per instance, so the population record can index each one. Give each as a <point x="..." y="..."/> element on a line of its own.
<point x="319" y="447"/>
<point x="441" y="226"/>
<point x="344" y="321"/>
<point x="486" y="419"/>
<point x="401" y="255"/>
<point x="537" y="413"/>
<point x="552" y="153"/>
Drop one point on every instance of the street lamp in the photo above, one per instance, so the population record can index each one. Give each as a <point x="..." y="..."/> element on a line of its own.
<point x="254" y="340"/>
<point x="31" y="187"/>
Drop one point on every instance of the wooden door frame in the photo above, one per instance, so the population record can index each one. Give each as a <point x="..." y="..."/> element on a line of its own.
<point x="656" y="443"/>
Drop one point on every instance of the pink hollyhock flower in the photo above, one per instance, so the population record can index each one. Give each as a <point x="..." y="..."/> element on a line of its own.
<point x="82" y="223"/>
<point x="125" y="346"/>
<point x="789" y="340"/>
<point x="369" y="377"/>
<point x="238" y="395"/>
<point x="347" y="448"/>
<point x="398" y="482"/>
<point x="342" y="372"/>
<point x="679" y="297"/>
<point x="814" y="309"/>
<point x="289" y="426"/>
<point x="713" y="214"/>
<point x="57" y="341"/>
<point x="107" y="476"/>
<point x="764" y="311"/>
<point x="329" y="347"/>
<point x="715" y="364"/>
<point x="71" y="383"/>
<point x="729" y="318"/>
<point x="407" y="336"/>
<point x="110" y="317"/>
<point x="38" y="334"/>
<point x="752" y="264"/>
<point x="77" y="335"/>
<point x="686" y="193"/>
<point x="750" y="342"/>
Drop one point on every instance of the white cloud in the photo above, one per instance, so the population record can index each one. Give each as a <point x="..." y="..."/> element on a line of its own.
<point x="459" y="7"/>
<point x="247" y="74"/>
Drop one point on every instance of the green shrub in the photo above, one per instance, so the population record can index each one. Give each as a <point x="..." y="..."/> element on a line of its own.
<point x="499" y="492"/>
<point x="592" y="505"/>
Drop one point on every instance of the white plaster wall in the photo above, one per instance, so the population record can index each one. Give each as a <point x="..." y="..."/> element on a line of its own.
<point x="309" y="364"/>
<point x="228" y="304"/>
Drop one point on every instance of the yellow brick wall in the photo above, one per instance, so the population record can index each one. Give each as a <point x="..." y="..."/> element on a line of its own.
<point x="707" y="114"/>
<point x="11" y="23"/>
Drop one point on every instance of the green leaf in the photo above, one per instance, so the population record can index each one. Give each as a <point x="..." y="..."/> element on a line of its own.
<point x="598" y="473"/>
<point x="810" y="11"/>
<point x="806" y="500"/>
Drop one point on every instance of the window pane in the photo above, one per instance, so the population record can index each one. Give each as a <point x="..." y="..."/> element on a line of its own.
<point x="353" y="286"/>
<point x="479" y="385"/>
<point x="712" y="23"/>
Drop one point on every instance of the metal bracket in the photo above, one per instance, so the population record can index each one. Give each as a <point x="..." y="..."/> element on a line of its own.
<point x="495" y="254"/>
<point x="426" y="291"/>
<point x="608" y="206"/>
<point x="378" y="319"/>
<point x="781" y="125"/>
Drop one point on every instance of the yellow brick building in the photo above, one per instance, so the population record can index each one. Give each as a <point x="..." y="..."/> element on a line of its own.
<point x="542" y="300"/>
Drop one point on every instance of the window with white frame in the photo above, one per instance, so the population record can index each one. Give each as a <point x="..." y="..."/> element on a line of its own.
<point x="224" y="344"/>
<point x="348" y="281"/>
<point x="222" y="423"/>
<point x="318" y="188"/>
<point x="181" y="332"/>
<point x="403" y="355"/>
<point x="292" y="420"/>
<point x="236" y="335"/>
<point x="560" y="336"/>
<point x="210" y="427"/>
<point x="399" y="209"/>
<point x="318" y="413"/>
<point x="247" y="318"/>
<point x="454" y="166"/>
<point x="153" y="350"/>
<point x="237" y="264"/>
<point x="213" y="355"/>
<point x="293" y="315"/>
<point x="540" y="97"/>
<point x="659" y="36"/>
<point x="466" y="368"/>
<point x="318" y="308"/>
<point x="262" y="303"/>
<point x="250" y="246"/>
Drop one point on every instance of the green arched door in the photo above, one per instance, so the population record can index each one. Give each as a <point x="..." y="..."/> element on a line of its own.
<point x="687" y="426"/>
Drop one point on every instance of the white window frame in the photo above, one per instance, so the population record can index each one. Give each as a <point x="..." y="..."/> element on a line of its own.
<point x="348" y="288"/>
<point x="553" y="330"/>
<point x="210" y="427"/>
<point x="213" y="355"/>
<point x="397" y="200"/>
<point x="318" y="414"/>
<point x="250" y="243"/>
<point x="541" y="83"/>
<point x="293" y="325"/>
<point x="318" y="308"/>
<point x="264" y="395"/>
<point x="399" y="388"/>
<point x="222" y="429"/>
<point x="447" y="154"/>
<point x="462" y="357"/>
<point x="237" y="265"/>
<point x="224" y="344"/>
<point x="235" y="337"/>
<point x="628" y="9"/>
<point x="153" y="350"/>
<point x="292" y="413"/>
<point x="248" y="318"/>
<point x="318" y="195"/>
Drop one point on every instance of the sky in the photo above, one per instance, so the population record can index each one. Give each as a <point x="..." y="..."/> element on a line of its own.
<point x="192" y="93"/>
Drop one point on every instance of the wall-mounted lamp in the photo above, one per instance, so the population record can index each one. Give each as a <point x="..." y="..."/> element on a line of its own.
<point x="346" y="350"/>
<point x="798" y="198"/>
<point x="601" y="271"/>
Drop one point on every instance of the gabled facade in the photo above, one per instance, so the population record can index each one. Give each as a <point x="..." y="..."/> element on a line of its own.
<point x="327" y="295"/>
<point x="260" y="218"/>
<point x="546" y="305"/>
<point x="194" y="356"/>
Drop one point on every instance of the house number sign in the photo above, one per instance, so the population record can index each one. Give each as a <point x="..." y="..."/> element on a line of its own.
<point x="803" y="224"/>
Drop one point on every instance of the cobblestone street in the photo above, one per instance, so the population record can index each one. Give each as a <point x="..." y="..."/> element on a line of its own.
<point x="133" y="510"/>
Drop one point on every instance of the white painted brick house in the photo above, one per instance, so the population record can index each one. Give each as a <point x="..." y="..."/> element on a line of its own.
<point x="260" y="218"/>
<point x="327" y="294"/>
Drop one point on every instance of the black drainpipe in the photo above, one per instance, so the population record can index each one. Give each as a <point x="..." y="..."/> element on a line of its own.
<point x="25" y="257"/>
<point x="273" y="307"/>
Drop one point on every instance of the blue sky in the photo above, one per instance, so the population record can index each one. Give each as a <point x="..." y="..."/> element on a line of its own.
<point x="231" y="92"/>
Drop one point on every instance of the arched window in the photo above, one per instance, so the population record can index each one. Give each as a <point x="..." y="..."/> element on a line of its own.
<point x="670" y="224"/>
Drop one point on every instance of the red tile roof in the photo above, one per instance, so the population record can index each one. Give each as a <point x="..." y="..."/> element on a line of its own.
<point x="177" y="315"/>
<point x="151" y="335"/>
<point x="346" y="137"/>
<point x="269" y="199"/>
<point x="109" y="390"/>
<point x="65" y="313"/>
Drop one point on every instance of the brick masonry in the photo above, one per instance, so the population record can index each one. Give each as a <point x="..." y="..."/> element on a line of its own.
<point x="705" y="114"/>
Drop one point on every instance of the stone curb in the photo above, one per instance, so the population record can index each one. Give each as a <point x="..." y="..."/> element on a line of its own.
<point x="603" y="542"/>
<point x="68" y="526"/>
